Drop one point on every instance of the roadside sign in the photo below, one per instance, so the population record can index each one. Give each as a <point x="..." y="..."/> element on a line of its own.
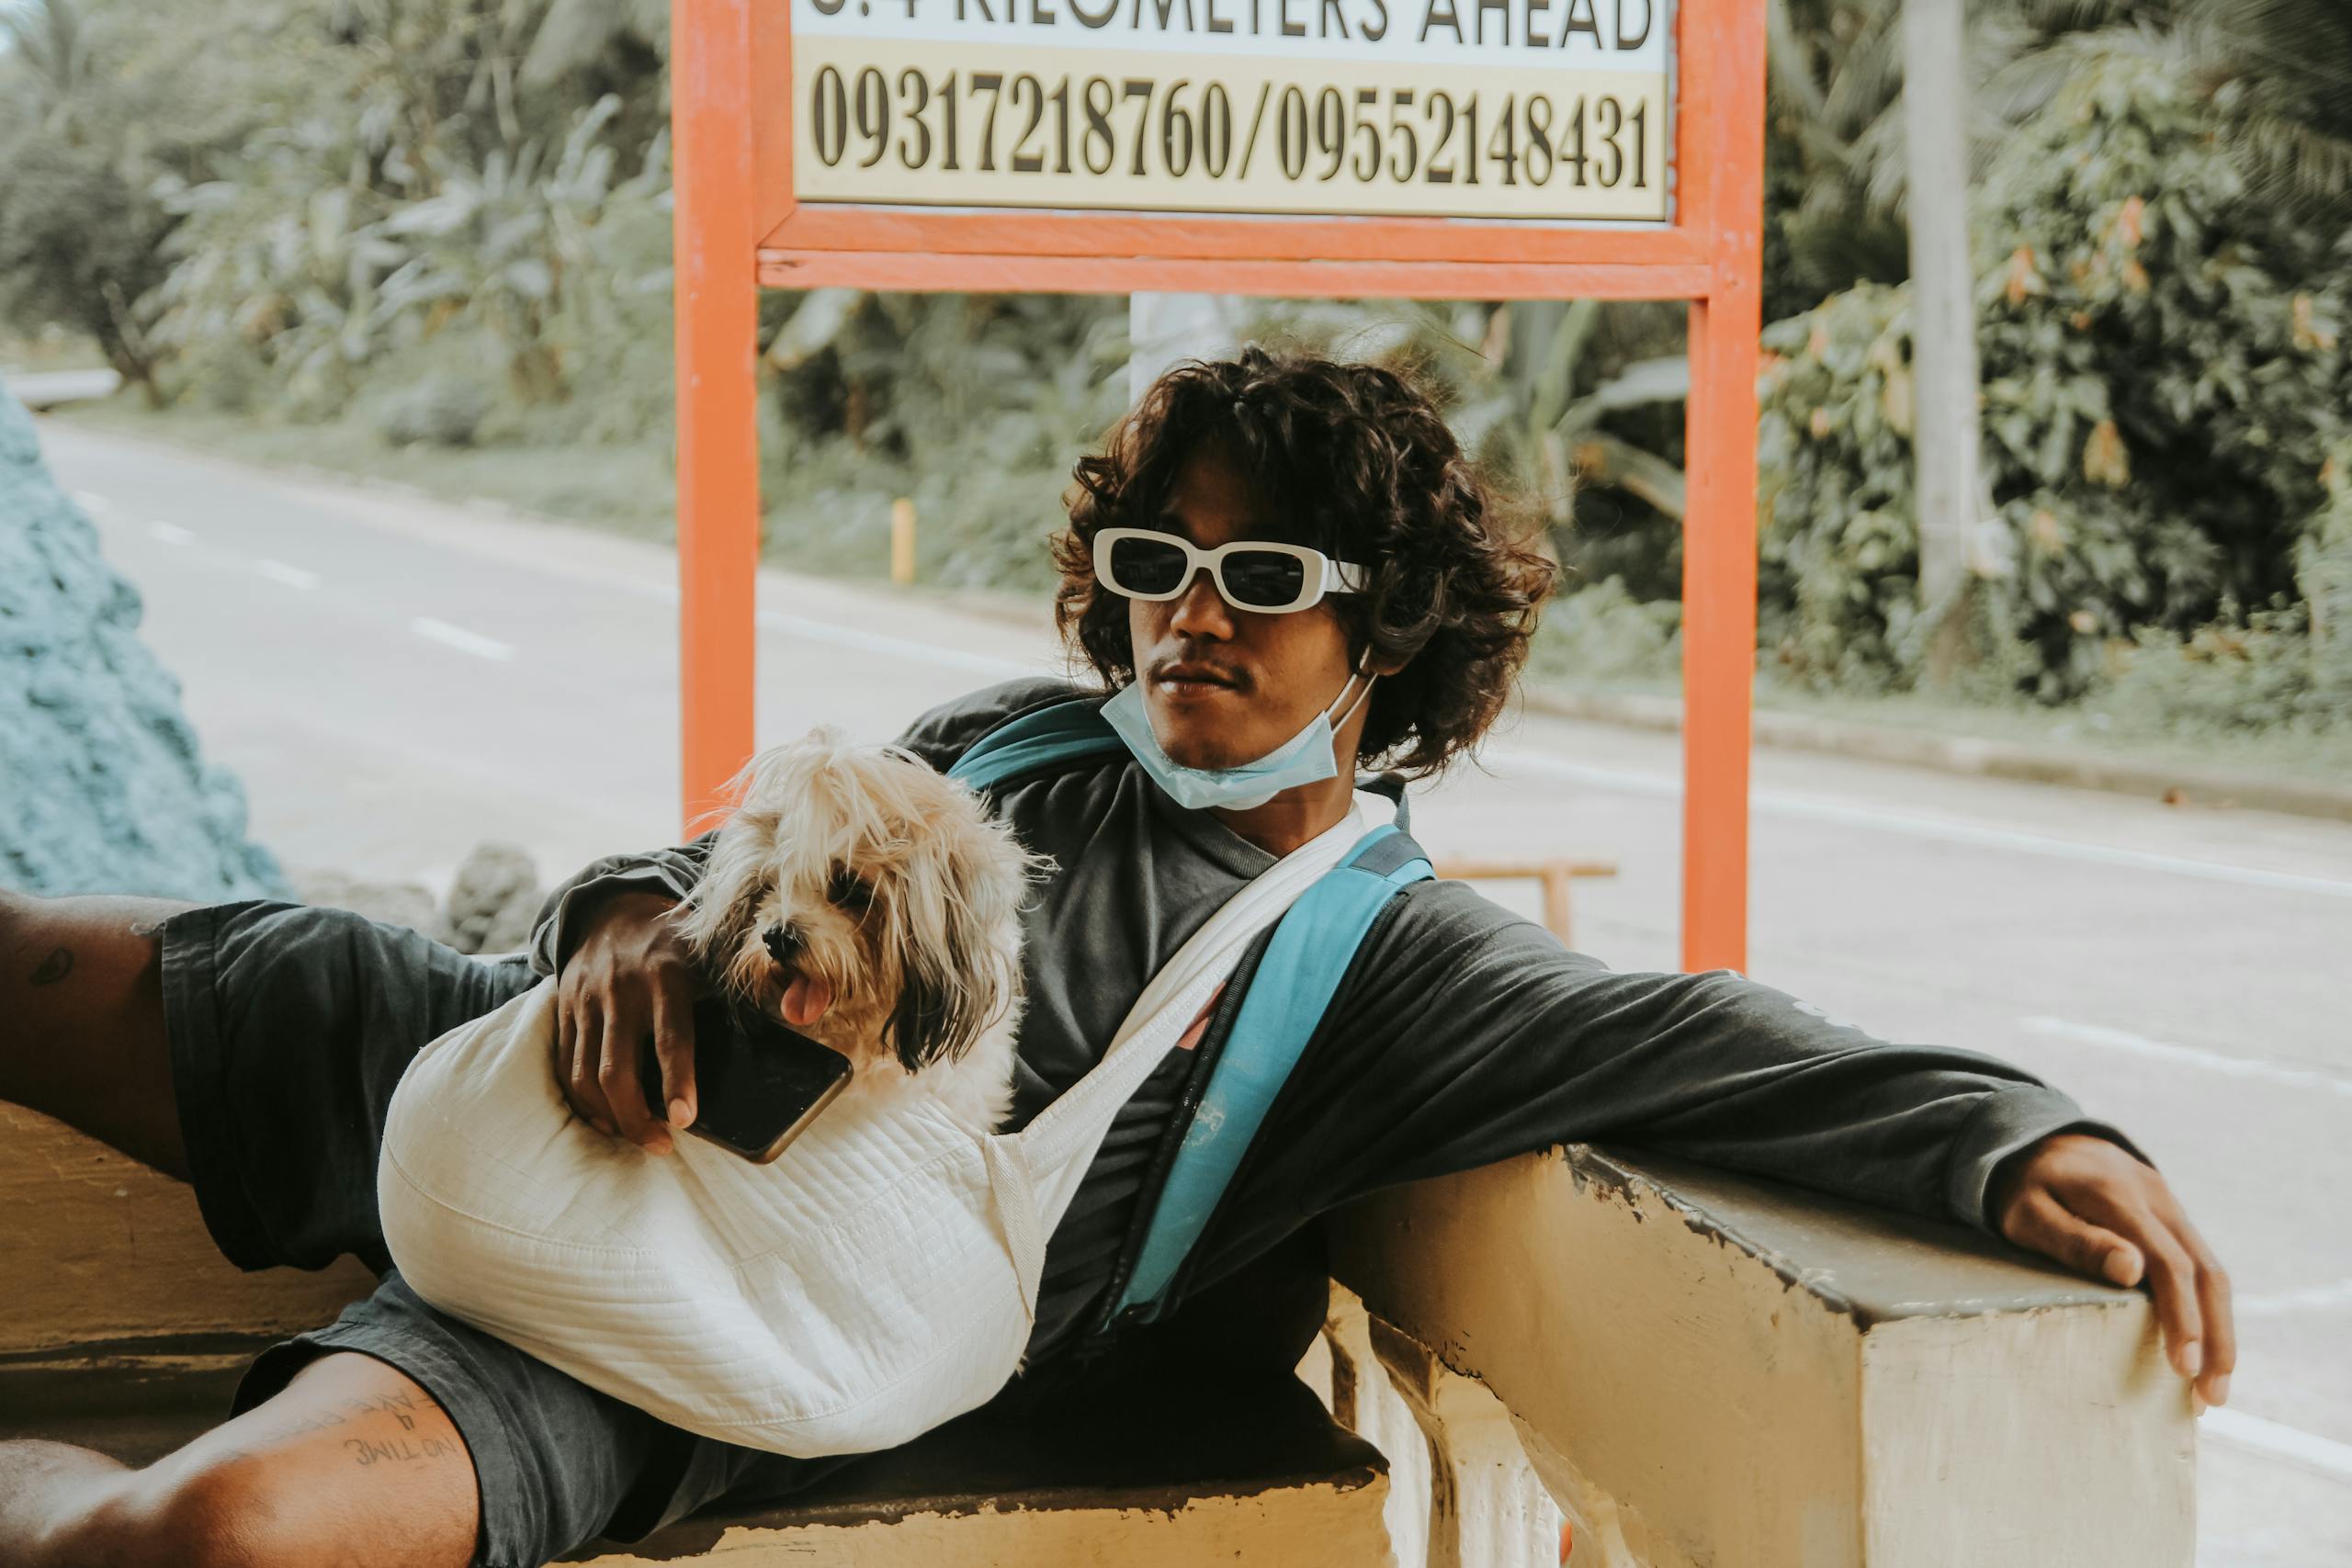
<point x="1429" y="148"/>
<point x="1546" y="110"/>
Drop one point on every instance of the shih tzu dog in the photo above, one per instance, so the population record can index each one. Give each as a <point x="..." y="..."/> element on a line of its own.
<point x="862" y="898"/>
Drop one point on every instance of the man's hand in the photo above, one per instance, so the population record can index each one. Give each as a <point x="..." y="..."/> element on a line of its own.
<point x="2089" y="1204"/>
<point x="630" y="977"/>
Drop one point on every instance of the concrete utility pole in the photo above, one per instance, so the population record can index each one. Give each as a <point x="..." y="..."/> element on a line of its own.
<point x="1165" y="328"/>
<point x="1948" y="482"/>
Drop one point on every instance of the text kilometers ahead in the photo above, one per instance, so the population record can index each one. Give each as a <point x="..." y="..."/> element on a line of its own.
<point x="1525" y="24"/>
<point x="1545" y="109"/>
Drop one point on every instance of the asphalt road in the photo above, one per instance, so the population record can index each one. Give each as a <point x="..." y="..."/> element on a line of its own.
<point x="396" y="680"/>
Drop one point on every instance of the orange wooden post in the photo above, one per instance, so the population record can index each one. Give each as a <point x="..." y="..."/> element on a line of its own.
<point x="1722" y="145"/>
<point x="715" y="243"/>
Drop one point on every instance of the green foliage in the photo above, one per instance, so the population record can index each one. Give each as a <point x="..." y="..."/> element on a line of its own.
<point x="538" y="256"/>
<point x="347" y="195"/>
<point x="2324" y="573"/>
<point x="80" y="245"/>
<point x="2164" y="377"/>
<point x="2284" y="68"/>
<point x="1834" y="151"/>
<point x="1603" y="632"/>
<point x="2220" y="680"/>
<point x="972" y="405"/>
<point x="1838" y="576"/>
<point x="446" y="222"/>
<point x="52" y="57"/>
<point x="439" y="411"/>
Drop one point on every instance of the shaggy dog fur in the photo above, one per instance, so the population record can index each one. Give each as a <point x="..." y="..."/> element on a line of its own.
<point x="893" y="898"/>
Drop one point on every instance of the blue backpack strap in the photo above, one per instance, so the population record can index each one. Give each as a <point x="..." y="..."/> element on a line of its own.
<point x="1042" y="737"/>
<point x="1298" y="973"/>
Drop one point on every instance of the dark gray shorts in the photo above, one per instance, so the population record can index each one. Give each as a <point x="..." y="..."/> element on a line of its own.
<point x="290" y="1027"/>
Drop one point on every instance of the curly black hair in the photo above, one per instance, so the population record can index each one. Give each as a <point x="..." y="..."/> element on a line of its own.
<point x="1355" y="461"/>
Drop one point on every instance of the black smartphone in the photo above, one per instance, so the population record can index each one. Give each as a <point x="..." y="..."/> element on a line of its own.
<point x="757" y="1084"/>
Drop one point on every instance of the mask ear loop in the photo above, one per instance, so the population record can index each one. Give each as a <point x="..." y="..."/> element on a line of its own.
<point x="1361" y="695"/>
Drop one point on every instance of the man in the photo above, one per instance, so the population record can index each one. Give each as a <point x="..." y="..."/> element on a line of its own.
<point x="251" y="1048"/>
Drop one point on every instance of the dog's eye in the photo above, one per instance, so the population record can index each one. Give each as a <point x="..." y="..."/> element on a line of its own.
<point x="849" y="892"/>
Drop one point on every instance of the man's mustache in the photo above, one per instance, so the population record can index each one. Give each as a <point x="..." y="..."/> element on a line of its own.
<point x="1193" y="666"/>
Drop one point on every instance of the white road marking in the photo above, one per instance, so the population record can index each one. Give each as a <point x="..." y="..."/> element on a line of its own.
<point x="2279" y="1441"/>
<point x="834" y="632"/>
<point x="2189" y="1055"/>
<point x="464" y="641"/>
<point x="292" y="576"/>
<point x="896" y="646"/>
<point x="2313" y="1298"/>
<point x="1943" y="829"/>
<point x="90" y="500"/>
<point x="170" y="533"/>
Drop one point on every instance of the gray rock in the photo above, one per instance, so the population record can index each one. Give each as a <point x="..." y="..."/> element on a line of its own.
<point x="395" y="903"/>
<point x="493" y="900"/>
<point x="103" y="787"/>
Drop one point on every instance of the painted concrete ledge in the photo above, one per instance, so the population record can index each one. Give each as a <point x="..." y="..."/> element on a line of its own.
<point x="1262" y="1477"/>
<point x="101" y="1254"/>
<point x="1972" y="754"/>
<point x="1701" y="1370"/>
<point x="1154" y="1475"/>
<point x="123" y="1330"/>
<point x="1705" y="1369"/>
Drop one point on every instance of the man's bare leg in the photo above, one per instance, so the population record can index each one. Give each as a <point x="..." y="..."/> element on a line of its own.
<point x="82" y="1020"/>
<point x="351" y="1463"/>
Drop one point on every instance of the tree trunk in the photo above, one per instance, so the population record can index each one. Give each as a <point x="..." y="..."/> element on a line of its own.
<point x="1949" y="484"/>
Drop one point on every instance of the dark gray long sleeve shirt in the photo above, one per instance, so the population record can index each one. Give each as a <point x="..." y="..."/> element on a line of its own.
<point x="1462" y="1034"/>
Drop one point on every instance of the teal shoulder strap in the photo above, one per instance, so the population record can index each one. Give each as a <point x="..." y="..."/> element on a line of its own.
<point x="1296" y="978"/>
<point x="1042" y="737"/>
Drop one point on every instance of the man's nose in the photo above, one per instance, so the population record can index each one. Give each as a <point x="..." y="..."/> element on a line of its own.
<point x="1202" y="612"/>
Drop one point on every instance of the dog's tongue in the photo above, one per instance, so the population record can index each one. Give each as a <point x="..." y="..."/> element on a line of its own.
<point x="806" y="999"/>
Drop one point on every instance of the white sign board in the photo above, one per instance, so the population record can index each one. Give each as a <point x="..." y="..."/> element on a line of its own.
<point x="1550" y="110"/>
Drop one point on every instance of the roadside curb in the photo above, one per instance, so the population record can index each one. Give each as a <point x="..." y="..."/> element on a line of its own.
<point x="2184" y="784"/>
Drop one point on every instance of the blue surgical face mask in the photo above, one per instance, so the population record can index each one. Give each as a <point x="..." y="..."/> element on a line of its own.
<point x="1307" y="758"/>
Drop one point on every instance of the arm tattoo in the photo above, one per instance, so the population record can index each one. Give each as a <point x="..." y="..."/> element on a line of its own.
<point x="55" y="967"/>
<point x="365" y="1452"/>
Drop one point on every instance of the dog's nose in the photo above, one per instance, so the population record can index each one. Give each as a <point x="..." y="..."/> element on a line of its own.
<point x="782" y="943"/>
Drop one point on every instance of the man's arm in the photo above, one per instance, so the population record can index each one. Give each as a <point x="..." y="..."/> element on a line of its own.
<point x="1464" y="1038"/>
<point x="623" y="976"/>
<point x="574" y="906"/>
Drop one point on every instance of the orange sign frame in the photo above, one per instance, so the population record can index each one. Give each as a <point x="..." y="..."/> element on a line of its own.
<point x="738" y="229"/>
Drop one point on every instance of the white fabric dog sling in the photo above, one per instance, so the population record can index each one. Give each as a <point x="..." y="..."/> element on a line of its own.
<point x="879" y="1278"/>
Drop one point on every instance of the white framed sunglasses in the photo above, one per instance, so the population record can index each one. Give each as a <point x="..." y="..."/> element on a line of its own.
<point x="1257" y="575"/>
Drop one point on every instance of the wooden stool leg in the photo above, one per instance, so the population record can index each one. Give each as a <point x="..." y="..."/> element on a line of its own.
<point x="1557" y="878"/>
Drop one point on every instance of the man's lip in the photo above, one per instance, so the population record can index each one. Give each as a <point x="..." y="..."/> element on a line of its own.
<point x="1196" y="674"/>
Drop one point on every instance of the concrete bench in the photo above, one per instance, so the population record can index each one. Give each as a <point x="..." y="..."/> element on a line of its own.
<point x="1145" y="1471"/>
<point x="1697" y="1369"/>
<point x="1677" y="1366"/>
<point x="123" y="1330"/>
